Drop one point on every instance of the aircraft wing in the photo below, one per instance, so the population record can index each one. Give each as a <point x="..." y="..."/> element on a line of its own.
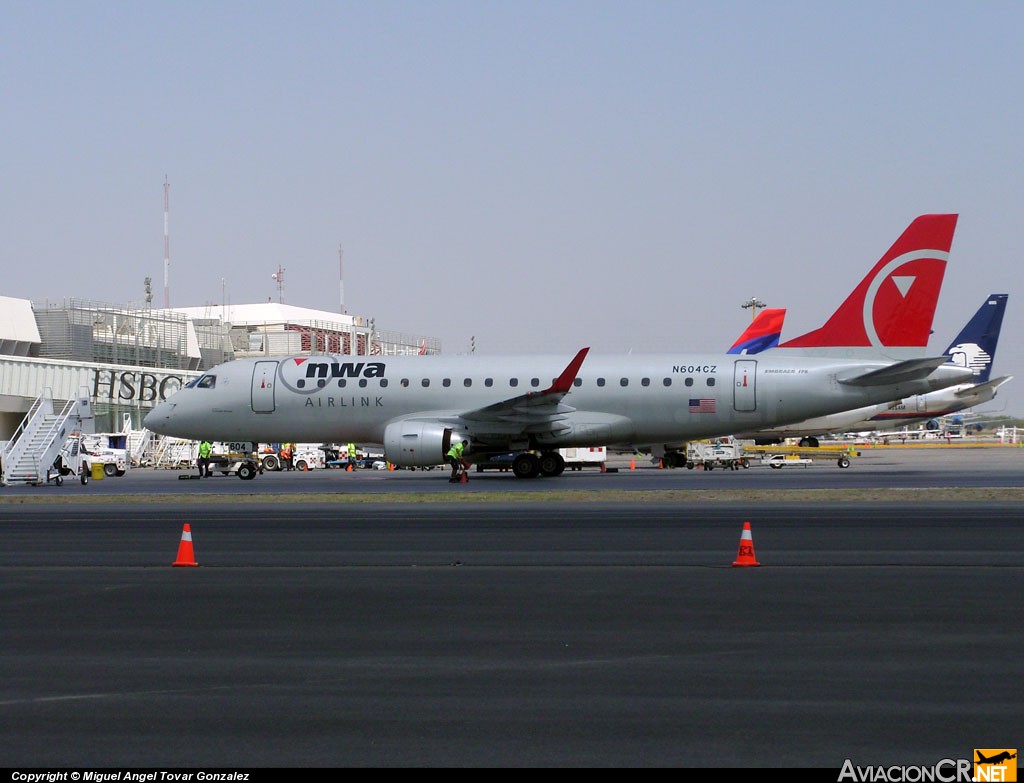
<point x="533" y="413"/>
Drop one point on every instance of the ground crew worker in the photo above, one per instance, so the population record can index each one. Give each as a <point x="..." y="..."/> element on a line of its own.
<point x="286" y="456"/>
<point x="352" y="455"/>
<point x="455" y="460"/>
<point x="205" y="447"/>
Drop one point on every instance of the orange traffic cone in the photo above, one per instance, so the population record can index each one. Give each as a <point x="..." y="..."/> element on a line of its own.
<point x="745" y="556"/>
<point x="463" y="477"/>
<point x="186" y="557"/>
<point x="603" y="468"/>
<point x="632" y="464"/>
<point x="349" y="467"/>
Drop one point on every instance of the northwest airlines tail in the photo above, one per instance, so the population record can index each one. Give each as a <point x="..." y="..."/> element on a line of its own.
<point x="893" y="307"/>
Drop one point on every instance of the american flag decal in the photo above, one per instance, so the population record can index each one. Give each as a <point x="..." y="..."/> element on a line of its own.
<point x="703" y="405"/>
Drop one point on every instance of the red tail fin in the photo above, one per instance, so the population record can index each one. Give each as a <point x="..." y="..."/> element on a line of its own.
<point x="895" y="304"/>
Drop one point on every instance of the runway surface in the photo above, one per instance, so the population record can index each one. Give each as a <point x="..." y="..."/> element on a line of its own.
<point x="391" y="619"/>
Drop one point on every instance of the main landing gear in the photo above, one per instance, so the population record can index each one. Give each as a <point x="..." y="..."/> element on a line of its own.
<point x="529" y="464"/>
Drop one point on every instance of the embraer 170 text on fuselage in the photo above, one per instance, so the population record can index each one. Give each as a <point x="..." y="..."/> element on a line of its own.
<point x="870" y="351"/>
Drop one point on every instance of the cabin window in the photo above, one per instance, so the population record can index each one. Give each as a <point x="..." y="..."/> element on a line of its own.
<point x="362" y="383"/>
<point x="645" y="381"/>
<point x="623" y="382"/>
<point x="206" y="382"/>
<point x="667" y="381"/>
<point x="341" y="383"/>
<point x="446" y="382"/>
<point x="711" y="381"/>
<point x="467" y="382"/>
<point x="535" y="382"/>
<point x="577" y="382"/>
<point x="425" y="382"/>
<point x="513" y="382"/>
<point x="405" y="382"/>
<point x="488" y="382"/>
<point x="600" y="381"/>
<point x="688" y="382"/>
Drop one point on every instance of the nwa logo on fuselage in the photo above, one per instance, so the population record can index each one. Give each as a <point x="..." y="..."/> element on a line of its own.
<point x="306" y="376"/>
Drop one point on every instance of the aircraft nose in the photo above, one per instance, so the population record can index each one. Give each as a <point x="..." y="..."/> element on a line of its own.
<point x="158" y="418"/>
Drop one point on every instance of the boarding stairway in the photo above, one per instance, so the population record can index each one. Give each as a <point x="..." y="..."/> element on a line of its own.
<point x="29" y="456"/>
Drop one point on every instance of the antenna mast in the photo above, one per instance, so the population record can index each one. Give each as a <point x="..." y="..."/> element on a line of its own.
<point x="341" y="276"/>
<point x="279" y="277"/>
<point x="167" y="245"/>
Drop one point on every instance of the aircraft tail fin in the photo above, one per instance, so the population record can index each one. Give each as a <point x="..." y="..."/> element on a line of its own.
<point x="763" y="333"/>
<point x="975" y="346"/>
<point x="894" y="305"/>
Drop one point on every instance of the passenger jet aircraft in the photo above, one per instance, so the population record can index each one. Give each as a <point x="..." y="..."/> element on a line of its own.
<point x="870" y="351"/>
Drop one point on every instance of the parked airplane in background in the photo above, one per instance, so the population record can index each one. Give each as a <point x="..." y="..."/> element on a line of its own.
<point x="763" y="333"/>
<point x="532" y="405"/>
<point x="974" y="348"/>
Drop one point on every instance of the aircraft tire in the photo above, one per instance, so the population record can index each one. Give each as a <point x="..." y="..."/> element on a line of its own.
<point x="526" y="466"/>
<point x="551" y="464"/>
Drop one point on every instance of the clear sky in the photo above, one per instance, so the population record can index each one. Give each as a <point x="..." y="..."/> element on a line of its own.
<point x="536" y="176"/>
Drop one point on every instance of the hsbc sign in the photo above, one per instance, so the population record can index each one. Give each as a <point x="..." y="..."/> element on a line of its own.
<point x="114" y="386"/>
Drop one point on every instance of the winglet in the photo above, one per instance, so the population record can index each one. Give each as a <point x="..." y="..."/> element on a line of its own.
<point x="564" y="381"/>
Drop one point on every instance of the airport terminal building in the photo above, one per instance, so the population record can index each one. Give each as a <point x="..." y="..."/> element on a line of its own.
<point x="127" y="359"/>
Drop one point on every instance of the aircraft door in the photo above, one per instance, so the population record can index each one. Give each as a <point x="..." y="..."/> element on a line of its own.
<point x="744" y="392"/>
<point x="263" y="376"/>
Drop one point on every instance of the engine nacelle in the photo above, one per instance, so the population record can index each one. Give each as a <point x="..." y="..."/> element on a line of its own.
<point x="418" y="444"/>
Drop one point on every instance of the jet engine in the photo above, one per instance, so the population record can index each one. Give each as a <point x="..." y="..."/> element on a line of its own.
<point x="418" y="444"/>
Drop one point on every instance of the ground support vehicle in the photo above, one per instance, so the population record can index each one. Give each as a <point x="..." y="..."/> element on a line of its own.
<point x="306" y="456"/>
<point x="77" y="458"/>
<point x="584" y="457"/>
<point x="774" y="456"/>
<point x="724" y="453"/>
<point x="235" y="459"/>
<point x="779" y="461"/>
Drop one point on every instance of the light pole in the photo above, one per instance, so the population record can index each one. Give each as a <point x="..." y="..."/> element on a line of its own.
<point x="754" y="304"/>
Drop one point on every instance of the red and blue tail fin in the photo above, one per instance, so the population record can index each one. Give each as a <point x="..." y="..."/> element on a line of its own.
<point x="763" y="333"/>
<point x="893" y="307"/>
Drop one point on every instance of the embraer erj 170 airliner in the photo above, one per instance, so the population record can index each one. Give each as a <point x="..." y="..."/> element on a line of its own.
<point x="870" y="351"/>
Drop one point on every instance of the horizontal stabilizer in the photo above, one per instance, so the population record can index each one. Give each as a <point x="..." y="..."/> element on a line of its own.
<point x="900" y="372"/>
<point x="976" y="389"/>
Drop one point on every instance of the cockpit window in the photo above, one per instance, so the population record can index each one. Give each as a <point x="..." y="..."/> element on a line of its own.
<point x="206" y="382"/>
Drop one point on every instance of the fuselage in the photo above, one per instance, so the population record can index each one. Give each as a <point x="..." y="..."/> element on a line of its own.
<point x="613" y="399"/>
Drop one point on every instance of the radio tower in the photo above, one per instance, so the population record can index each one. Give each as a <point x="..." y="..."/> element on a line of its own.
<point x="167" y="245"/>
